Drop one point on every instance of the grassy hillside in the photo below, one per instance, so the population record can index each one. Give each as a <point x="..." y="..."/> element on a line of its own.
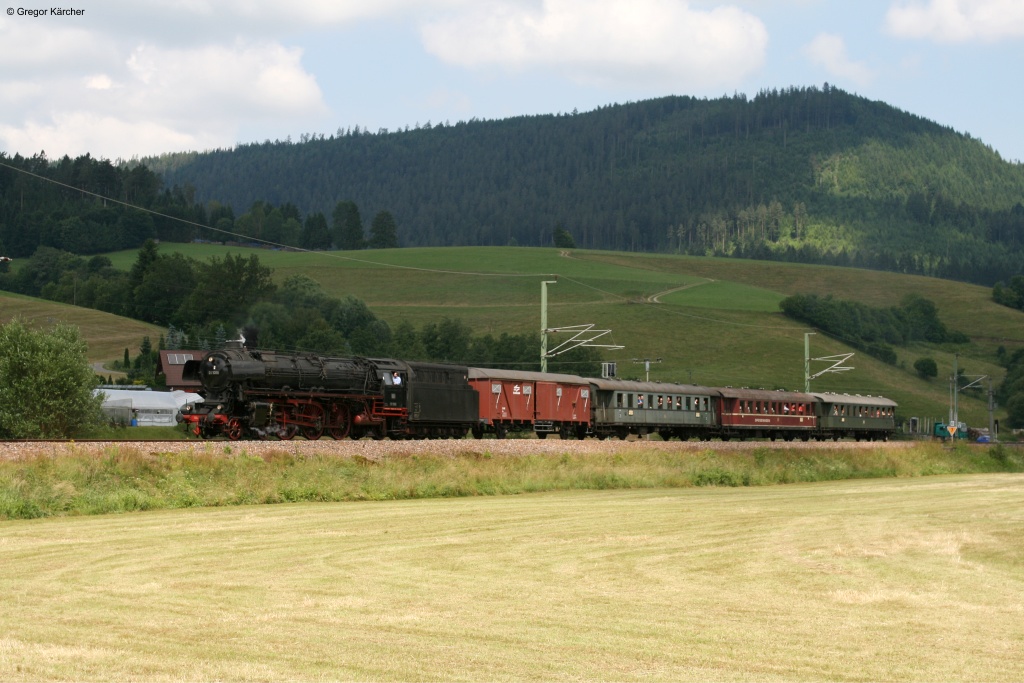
<point x="716" y="321"/>
<point x="108" y="335"/>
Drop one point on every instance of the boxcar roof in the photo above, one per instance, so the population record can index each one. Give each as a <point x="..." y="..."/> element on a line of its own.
<point x="855" y="400"/>
<point x="524" y="376"/>
<point x="652" y="387"/>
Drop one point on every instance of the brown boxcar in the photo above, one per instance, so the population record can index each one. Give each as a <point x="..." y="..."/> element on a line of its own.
<point x="541" y="402"/>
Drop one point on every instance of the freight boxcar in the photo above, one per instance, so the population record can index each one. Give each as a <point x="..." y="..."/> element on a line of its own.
<point x="544" y="403"/>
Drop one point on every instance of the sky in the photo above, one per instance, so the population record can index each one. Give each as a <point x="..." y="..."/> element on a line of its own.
<point x="122" y="78"/>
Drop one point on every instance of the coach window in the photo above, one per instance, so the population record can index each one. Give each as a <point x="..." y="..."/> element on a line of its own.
<point x="618" y="399"/>
<point x="650" y="400"/>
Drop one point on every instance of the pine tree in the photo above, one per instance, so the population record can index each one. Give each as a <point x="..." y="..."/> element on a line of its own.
<point x="348" y="226"/>
<point x="383" y="231"/>
<point x="315" y="233"/>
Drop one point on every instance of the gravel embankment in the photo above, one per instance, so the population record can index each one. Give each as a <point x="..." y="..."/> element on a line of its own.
<point x="377" y="450"/>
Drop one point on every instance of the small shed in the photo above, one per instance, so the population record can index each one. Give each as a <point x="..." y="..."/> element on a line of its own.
<point x="148" y="408"/>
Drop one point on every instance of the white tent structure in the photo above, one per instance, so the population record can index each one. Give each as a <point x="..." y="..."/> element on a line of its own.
<point x="148" y="408"/>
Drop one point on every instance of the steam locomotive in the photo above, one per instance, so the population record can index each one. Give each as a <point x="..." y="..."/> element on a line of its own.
<point x="262" y="394"/>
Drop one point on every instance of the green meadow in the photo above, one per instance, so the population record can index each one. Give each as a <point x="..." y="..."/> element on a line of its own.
<point x="710" y="321"/>
<point x="908" y="579"/>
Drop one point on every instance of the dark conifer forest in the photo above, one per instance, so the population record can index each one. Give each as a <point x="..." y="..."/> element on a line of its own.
<point x="803" y="174"/>
<point x="812" y="175"/>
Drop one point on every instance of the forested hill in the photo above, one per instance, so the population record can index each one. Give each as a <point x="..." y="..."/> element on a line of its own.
<point x="810" y="174"/>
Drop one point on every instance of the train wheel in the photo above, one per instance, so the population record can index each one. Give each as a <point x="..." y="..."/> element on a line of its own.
<point x="341" y="422"/>
<point x="478" y="432"/>
<point x="233" y="429"/>
<point x="542" y="435"/>
<point x="314" y="413"/>
<point x="501" y="431"/>
<point x="288" y="432"/>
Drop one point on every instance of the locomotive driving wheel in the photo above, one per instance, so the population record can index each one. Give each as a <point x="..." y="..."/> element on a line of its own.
<point x="313" y="413"/>
<point x="340" y="423"/>
<point x="233" y="429"/>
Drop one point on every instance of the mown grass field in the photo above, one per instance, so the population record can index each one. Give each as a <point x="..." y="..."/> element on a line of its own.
<point x="717" y="322"/>
<point x="884" y="579"/>
<point x="108" y="335"/>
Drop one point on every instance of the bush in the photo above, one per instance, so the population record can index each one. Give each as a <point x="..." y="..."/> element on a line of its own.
<point x="926" y="368"/>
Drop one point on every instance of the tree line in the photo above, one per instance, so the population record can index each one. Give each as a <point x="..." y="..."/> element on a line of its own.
<point x="205" y="303"/>
<point x="874" y="330"/>
<point x="90" y="206"/>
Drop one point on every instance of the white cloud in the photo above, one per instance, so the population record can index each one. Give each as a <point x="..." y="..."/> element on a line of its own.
<point x="77" y="132"/>
<point x="123" y="99"/>
<point x="661" y="42"/>
<point x="957" y="21"/>
<point x="828" y="50"/>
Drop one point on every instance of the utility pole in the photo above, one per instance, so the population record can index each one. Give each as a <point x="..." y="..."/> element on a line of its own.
<point x="807" y="361"/>
<point x="647" y="365"/>
<point x="954" y="418"/>
<point x="836" y="361"/>
<point x="991" y="412"/>
<point x="544" y="323"/>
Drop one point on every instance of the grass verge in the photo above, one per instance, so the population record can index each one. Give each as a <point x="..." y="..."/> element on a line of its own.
<point x="125" y="478"/>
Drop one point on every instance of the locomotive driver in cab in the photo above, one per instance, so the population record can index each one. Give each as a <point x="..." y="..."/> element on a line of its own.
<point x="396" y="379"/>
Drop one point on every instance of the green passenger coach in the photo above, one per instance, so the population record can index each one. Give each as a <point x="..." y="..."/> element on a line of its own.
<point x="625" y="407"/>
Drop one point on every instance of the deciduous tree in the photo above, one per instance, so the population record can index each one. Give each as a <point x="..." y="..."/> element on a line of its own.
<point x="46" y="383"/>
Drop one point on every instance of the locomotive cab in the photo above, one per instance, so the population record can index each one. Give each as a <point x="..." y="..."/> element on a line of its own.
<point x="394" y="383"/>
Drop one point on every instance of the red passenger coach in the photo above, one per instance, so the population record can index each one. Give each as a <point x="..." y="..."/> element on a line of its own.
<point x="541" y="402"/>
<point x="754" y="413"/>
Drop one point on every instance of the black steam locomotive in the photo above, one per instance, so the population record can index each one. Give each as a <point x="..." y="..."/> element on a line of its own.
<point x="259" y="394"/>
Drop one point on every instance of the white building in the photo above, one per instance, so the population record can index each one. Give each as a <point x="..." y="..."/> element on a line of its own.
<point x="148" y="408"/>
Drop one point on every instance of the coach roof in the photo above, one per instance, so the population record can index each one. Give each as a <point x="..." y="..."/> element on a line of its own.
<point x="653" y="387"/>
